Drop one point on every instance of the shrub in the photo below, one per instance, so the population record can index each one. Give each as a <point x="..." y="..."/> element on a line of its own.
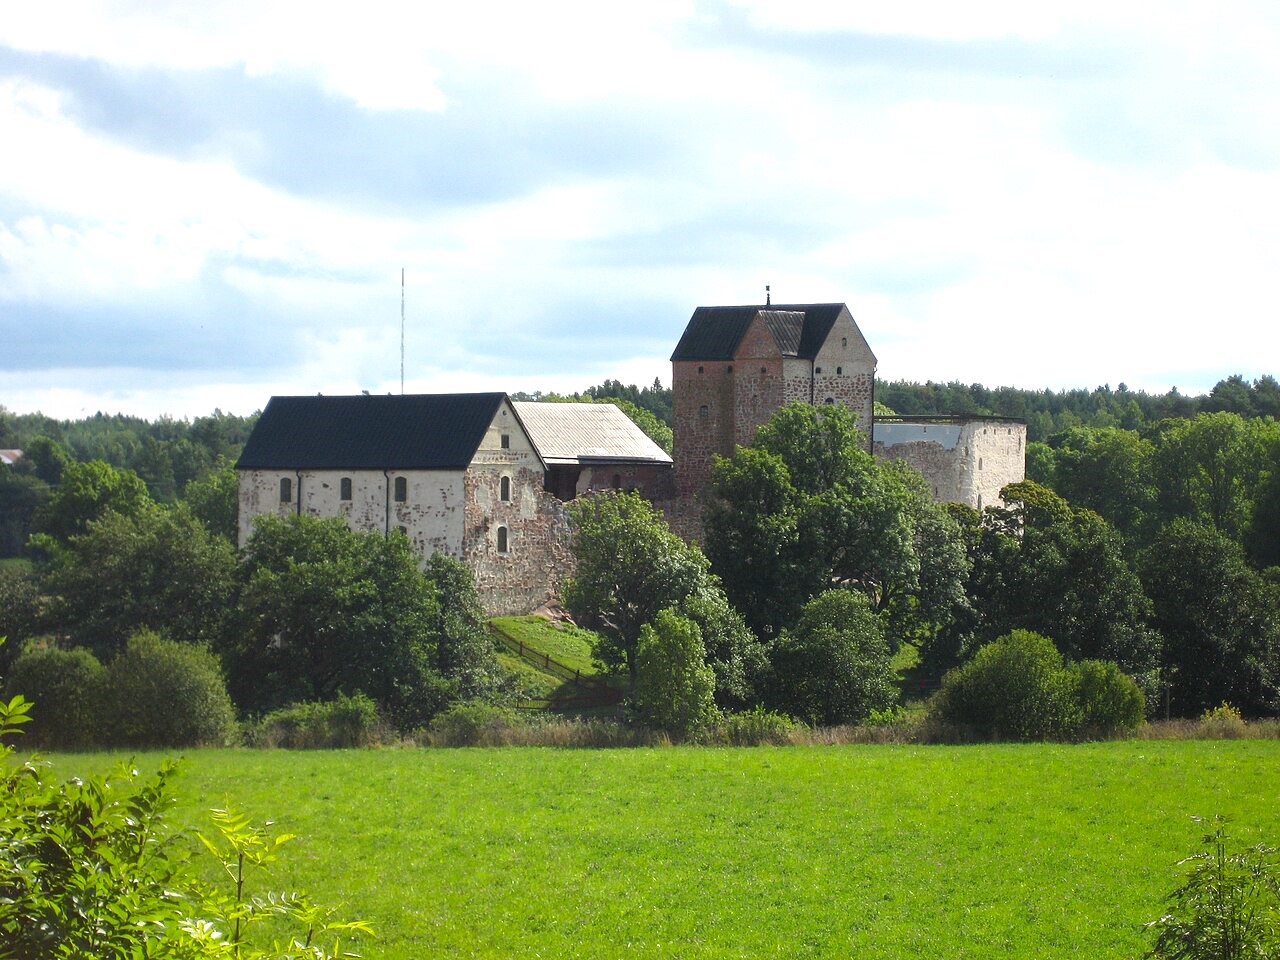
<point x="674" y="689"/>
<point x="1015" y="688"/>
<point x="342" y="722"/>
<point x="67" y="685"/>
<point x="833" y="667"/>
<point x="757" y="726"/>
<point x="1223" y="722"/>
<point x="1109" y="701"/>
<point x="472" y="724"/>
<point x="1227" y="907"/>
<point x="162" y="693"/>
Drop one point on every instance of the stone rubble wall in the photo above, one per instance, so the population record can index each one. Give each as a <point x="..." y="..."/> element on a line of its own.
<point x="967" y="462"/>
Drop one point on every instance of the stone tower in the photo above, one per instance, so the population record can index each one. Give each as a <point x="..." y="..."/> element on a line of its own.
<point x="735" y="366"/>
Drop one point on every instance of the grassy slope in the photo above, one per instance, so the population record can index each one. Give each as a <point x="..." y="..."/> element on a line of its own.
<point x="16" y="564"/>
<point x="569" y="645"/>
<point x="874" y="852"/>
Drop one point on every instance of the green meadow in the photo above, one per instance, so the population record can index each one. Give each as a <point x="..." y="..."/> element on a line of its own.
<point x="856" y="851"/>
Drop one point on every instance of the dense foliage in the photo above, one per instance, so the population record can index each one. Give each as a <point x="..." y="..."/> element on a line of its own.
<point x="674" y="688"/>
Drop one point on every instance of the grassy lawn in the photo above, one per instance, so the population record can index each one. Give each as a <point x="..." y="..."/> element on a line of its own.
<point x="567" y="644"/>
<point x="885" y="852"/>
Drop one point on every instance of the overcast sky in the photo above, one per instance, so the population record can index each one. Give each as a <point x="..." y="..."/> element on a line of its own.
<point x="203" y="204"/>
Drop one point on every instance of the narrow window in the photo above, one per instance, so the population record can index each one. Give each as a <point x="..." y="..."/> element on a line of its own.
<point x="504" y="489"/>
<point x="344" y="488"/>
<point x="617" y="481"/>
<point x="506" y="441"/>
<point x="286" y="490"/>
<point x="699" y="369"/>
<point x="402" y="490"/>
<point x="979" y="463"/>
<point x="704" y="411"/>
<point x="729" y="368"/>
<point x="839" y="371"/>
<point x="502" y="539"/>
<point x="844" y="343"/>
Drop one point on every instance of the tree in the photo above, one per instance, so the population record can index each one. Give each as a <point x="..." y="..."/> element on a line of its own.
<point x="1048" y="567"/>
<point x="215" y="500"/>
<point x="48" y="459"/>
<point x="158" y="568"/>
<point x="738" y="660"/>
<point x="629" y="566"/>
<point x="324" y="610"/>
<point x="833" y="666"/>
<point x="806" y="507"/>
<point x="88" y="491"/>
<point x="674" y="686"/>
<point x="21" y="498"/>
<point x="1108" y="471"/>
<point x="1220" y="620"/>
<point x="464" y="648"/>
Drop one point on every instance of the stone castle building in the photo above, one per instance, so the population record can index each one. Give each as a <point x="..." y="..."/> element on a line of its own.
<point x="484" y="478"/>
<point x="735" y="366"/>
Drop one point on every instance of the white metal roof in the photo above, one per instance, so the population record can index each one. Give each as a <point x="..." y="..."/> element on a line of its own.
<point x="578" y="432"/>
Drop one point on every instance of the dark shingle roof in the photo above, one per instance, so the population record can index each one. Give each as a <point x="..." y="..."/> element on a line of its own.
<point x="800" y="329"/>
<point x="415" y="432"/>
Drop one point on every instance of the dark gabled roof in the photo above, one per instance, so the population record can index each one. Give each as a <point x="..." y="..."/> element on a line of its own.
<point x="416" y="432"/>
<point x="799" y="329"/>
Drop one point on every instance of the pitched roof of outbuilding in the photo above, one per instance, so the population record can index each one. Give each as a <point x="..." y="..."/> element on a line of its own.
<point x="408" y="432"/>
<point x="799" y="329"/>
<point x="586" y="432"/>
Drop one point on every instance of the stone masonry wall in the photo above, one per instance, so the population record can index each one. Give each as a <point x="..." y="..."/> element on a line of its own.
<point x="702" y="415"/>
<point x="967" y="462"/>
<point x="758" y="382"/>
<point x="524" y="575"/>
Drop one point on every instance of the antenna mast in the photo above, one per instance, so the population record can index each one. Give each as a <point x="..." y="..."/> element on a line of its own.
<point x="402" y="331"/>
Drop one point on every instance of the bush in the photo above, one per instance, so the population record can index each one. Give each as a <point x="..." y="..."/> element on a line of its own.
<point x="757" y="726"/>
<point x="674" y="689"/>
<point x="1015" y="688"/>
<point x="1223" y="722"/>
<point x="162" y="693"/>
<point x="342" y="722"/>
<point x="67" y="686"/>
<point x="1109" y="701"/>
<point x="833" y="667"/>
<point x="473" y="725"/>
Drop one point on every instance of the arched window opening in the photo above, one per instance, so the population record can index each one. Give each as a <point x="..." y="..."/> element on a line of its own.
<point x="839" y="371"/>
<point x="402" y="489"/>
<point x="979" y="463"/>
<point x="830" y="400"/>
<point x="699" y="369"/>
<point x="502" y="540"/>
<point x="286" y="490"/>
<point x="504" y="489"/>
<point x="344" y="488"/>
<point x="844" y="343"/>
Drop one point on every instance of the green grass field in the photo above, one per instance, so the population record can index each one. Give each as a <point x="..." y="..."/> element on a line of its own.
<point x="567" y="644"/>
<point x="882" y="851"/>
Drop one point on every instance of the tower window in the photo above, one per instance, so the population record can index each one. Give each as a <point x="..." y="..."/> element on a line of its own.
<point x="344" y="488"/>
<point x="286" y="490"/>
<point x="704" y="411"/>
<point x="502" y="540"/>
<point x="506" y="441"/>
<point x="817" y="369"/>
<point x="402" y="490"/>
<point x="504" y="489"/>
<point x="839" y="371"/>
<point x="979" y="463"/>
<point x="844" y="343"/>
<point x="699" y="369"/>
<point x="729" y="368"/>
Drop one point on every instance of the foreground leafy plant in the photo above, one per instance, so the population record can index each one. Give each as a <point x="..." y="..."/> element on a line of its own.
<point x="89" y="868"/>
<point x="1228" y="908"/>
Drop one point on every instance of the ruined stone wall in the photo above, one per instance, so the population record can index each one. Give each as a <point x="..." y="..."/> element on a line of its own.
<point x="797" y="380"/>
<point x="702" y="419"/>
<point x="967" y="461"/>
<point x="534" y="523"/>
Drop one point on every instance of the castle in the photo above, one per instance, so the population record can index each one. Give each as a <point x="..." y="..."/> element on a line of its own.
<point x="484" y="478"/>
